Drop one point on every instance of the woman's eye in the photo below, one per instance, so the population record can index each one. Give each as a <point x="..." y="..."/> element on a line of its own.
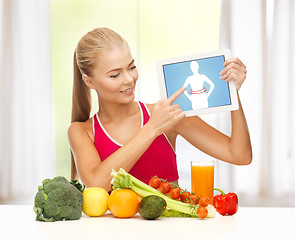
<point x="114" y="76"/>
<point x="133" y="67"/>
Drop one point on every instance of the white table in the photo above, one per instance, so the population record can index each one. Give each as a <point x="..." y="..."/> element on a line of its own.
<point x="18" y="222"/>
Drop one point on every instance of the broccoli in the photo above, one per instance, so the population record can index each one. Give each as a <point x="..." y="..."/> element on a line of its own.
<point x="57" y="199"/>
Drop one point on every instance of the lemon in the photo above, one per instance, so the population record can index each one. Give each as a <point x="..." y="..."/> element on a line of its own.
<point x="95" y="201"/>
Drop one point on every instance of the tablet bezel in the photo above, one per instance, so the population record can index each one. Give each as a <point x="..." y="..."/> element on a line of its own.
<point x="231" y="84"/>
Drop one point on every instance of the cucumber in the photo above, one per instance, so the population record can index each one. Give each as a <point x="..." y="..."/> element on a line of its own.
<point x="151" y="207"/>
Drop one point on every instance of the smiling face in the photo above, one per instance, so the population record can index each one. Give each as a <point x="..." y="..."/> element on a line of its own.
<point x="114" y="75"/>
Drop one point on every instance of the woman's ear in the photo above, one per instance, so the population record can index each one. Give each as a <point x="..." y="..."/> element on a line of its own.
<point x="87" y="81"/>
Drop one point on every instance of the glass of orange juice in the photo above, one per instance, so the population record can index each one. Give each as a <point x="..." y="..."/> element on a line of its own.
<point x="202" y="178"/>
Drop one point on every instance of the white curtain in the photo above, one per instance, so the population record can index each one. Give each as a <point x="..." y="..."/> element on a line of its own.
<point x="262" y="34"/>
<point x="26" y="120"/>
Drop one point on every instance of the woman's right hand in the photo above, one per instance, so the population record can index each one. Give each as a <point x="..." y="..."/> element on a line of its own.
<point x="164" y="115"/>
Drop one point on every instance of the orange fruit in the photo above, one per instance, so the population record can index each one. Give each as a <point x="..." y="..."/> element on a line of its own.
<point x="95" y="201"/>
<point x="123" y="203"/>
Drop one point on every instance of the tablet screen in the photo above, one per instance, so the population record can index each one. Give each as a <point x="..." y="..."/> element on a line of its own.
<point x="201" y="77"/>
<point x="199" y="74"/>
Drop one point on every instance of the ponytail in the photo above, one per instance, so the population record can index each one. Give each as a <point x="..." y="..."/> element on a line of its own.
<point x="81" y="106"/>
<point x="91" y="45"/>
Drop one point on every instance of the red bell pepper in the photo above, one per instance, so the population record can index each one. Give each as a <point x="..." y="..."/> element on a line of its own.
<point x="225" y="204"/>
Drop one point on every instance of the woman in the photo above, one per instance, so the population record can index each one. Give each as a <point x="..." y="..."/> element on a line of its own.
<point x="130" y="135"/>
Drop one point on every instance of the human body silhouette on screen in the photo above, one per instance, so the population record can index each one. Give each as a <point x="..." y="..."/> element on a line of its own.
<point x="198" y="94"/>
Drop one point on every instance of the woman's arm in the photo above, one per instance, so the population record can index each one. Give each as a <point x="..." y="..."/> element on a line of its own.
<point x="93" y="172"/>
<point x="235" y="149"/>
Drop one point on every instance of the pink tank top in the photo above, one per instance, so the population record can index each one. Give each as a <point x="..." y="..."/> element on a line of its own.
<point x="158" y="160"/>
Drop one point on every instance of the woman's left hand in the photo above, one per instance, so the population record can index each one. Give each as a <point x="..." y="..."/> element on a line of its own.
<point x="234" y="70"/>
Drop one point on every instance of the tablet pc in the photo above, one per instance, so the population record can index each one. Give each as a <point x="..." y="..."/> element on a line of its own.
<point x="205" y="92"/>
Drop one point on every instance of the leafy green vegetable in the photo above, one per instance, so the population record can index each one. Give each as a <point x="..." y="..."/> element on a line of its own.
<point x="122" y="179"/>
<point x="58" y="199"/>
<point x="78" y="185"/>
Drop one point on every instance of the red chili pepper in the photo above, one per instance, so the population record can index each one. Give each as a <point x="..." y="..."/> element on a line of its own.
<point x="225" y="204"/>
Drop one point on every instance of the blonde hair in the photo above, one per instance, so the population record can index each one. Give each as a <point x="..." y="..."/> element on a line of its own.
<point x="91" y="45"/>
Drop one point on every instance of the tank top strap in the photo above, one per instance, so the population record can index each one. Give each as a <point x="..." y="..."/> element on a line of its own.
<point x="145" y="112"/>
<point x="95" y="124"/>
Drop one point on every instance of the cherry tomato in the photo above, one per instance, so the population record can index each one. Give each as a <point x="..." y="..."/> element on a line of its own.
<point x="204" y="201"/>
<point x="155" y="182"/>
<point x="194" y="198"/>
<point x="175" y="193"/>
<point x="202" y="212"/>
<point x="184" y="197"/>
<point x="165" y="187"/>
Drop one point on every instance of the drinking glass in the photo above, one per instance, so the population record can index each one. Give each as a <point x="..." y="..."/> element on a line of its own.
<point x="202" y="178"/>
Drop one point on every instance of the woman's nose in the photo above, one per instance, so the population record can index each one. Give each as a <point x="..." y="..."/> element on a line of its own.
<point x="128" y="78"/>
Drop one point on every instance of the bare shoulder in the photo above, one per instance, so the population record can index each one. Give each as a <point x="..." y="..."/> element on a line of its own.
<point x="79" y="129"/>
<point x="75" y="127"/>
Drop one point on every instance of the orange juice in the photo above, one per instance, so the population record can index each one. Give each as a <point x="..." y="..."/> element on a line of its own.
<point x="202" y="178"/>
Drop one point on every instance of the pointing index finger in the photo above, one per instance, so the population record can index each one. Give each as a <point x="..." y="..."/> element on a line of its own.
<point x="175" y="95"/>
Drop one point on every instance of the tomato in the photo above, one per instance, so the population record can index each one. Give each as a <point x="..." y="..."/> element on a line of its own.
<point x="165" y="187"/>
<point x="204" y="201"/>
<point x="202" y="212"/>
<point x="155" y="182"/>
<point x="184" y="197"/>
<point x="175" y="193"/>
<point x="194" y="198"/>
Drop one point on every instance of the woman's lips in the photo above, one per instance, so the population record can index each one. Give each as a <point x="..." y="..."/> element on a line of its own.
<point x="128" y="91"/>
